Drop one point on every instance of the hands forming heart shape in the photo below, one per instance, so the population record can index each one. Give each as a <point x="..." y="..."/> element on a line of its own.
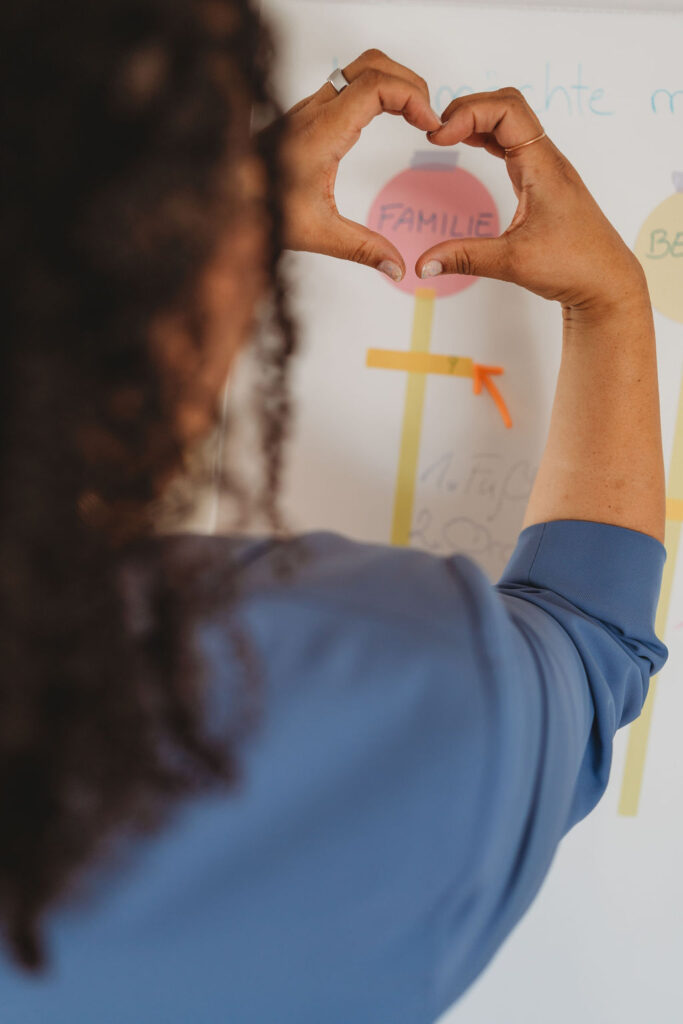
<point x="556" y="239"/>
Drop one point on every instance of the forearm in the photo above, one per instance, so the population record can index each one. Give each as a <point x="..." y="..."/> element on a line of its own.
<point x="603" y="457"/>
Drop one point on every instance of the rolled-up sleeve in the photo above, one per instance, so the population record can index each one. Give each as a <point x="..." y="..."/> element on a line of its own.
<point x="570" y="646"/>
<point x="601" y="584"/>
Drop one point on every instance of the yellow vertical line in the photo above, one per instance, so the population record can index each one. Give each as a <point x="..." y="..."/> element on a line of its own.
<point x="404" y="496"/>
<point x="640" y="730"/>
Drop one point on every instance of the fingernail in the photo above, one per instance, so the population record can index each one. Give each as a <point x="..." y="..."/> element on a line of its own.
<point x="432" y="268"/>
<point x="391" y="269"/>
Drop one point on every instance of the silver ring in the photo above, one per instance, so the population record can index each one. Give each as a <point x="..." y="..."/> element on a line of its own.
<point x="337" y="79"/>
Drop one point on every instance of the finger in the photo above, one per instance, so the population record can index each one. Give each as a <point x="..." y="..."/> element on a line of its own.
<point x="481" y="257"/>
<point x="302" y="103"/>
<point x="496" y="120"/>
<point x="370" y="94"/>
<point x="484" y="140"/>
<point x="374" y="59"/>
<point x="353" y="241"/>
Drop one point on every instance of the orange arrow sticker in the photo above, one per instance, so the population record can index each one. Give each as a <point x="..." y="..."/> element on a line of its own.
<point x="481" y="375"/>
<point x="451" y="366"/>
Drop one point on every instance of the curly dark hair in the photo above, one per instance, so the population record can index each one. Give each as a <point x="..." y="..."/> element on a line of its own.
<point x="122" y="117"/>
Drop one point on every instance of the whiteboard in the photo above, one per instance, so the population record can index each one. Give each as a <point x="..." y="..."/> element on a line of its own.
<point x="603" y="941"/>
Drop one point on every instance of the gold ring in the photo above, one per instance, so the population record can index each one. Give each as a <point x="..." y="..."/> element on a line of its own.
<point x="509" y="149"/>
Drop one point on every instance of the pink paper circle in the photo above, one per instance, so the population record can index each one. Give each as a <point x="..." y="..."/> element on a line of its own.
<point x="426" y="204"/>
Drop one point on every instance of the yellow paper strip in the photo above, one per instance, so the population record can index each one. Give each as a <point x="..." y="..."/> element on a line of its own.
<point x="412" y="421"/>
<point x="674" y="509"/>
<point x="419" y="362"/>
<point x="675" y="487"/>
<point x="640" y="730"/>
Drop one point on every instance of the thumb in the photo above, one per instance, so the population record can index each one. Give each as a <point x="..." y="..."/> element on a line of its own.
<point x="353" y="241"/>
<point x="481" y="257"/>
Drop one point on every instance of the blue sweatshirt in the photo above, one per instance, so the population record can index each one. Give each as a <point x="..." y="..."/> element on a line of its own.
<point x="426" y="741"/>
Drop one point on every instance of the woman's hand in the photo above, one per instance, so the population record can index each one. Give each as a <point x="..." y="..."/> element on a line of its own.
<point x="321" y="129"/>
<point x="559" y="243"/>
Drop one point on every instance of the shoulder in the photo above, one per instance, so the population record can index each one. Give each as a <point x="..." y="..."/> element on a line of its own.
<point x="371" y="620"/>
<point x="374" y="581"/>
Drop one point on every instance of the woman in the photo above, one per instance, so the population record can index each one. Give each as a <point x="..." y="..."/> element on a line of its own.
<point x="294" y="779"/>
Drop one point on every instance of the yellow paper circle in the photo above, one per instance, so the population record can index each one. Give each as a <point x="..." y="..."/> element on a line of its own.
<point x="659" y="248"/>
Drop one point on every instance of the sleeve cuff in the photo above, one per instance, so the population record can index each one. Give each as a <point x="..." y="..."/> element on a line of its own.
<point x="611" y="572"/>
